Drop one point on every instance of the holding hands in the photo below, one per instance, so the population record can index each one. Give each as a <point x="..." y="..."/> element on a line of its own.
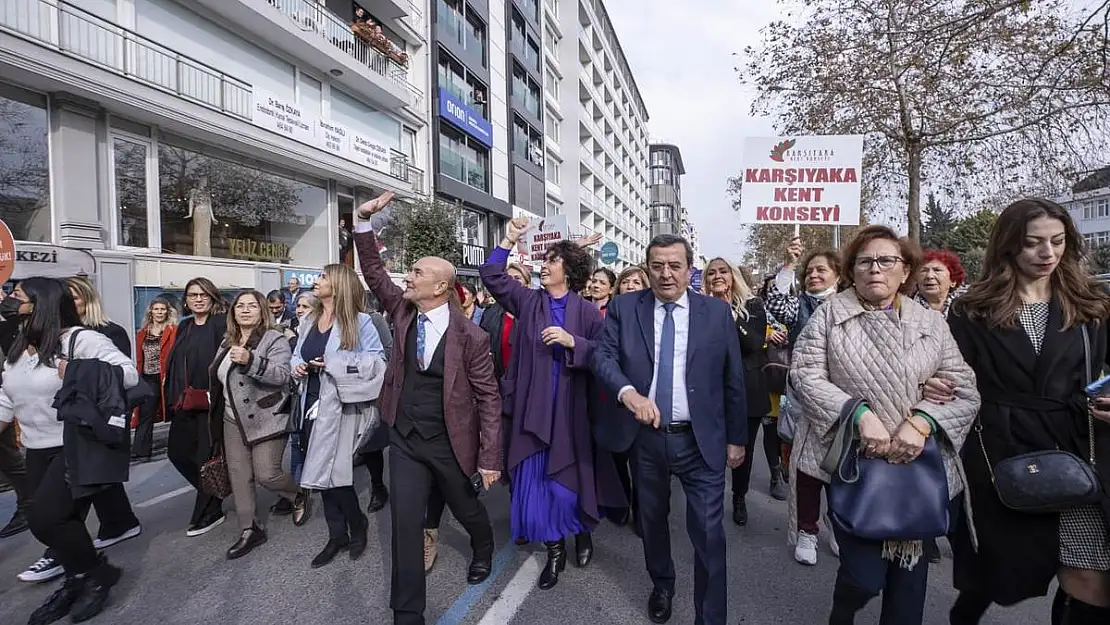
<point x="555" y="334"/>
<point x="903" y="447"/>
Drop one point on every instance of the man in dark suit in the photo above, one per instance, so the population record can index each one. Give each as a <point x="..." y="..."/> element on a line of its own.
<point x="441" y="402"/>
<point x="672" y="359"/>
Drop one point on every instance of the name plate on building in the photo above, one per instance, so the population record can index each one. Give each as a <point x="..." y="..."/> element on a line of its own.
<point x="249" y="249"/>
<point x="472" y="255"/>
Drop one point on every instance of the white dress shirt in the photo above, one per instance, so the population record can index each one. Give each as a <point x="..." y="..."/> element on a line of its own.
<point x="680" y="407"/>
<point x="434" y="329"/>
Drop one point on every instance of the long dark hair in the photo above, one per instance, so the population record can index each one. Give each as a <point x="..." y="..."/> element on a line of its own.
<point x="53" y="312"/>
<point x="995" y="298"/>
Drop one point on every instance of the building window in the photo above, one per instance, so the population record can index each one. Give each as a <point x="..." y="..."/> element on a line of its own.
<point x="531" y="8"/>
<point x="455" y="79"/>
<point x="552" y="208"/>
<point x="661" y="175"/>
<point x="551" y="42"/>
<point x="470" y="229"/>
<point x="310" y="95"/>
<point x="463" y="159"/>
<point x="527" y="142"/>
<point x="24" y="165"/>
<point x="522" y="45"/>
<point x="551" y="125"/>
<point x="551" y="82"/>
<point x="462" y="27"/>
<point x="552" y="170"/>
<point x="131" y="158"/>
<point x="526" y="93"/>
<point x="662" y="213"/>
<point x="408" y="144"/>
<point x="553" y="6"/>
<point x="215" y="207"/>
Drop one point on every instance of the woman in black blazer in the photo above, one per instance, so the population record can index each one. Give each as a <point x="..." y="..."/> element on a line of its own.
<point x="724" y="281"/>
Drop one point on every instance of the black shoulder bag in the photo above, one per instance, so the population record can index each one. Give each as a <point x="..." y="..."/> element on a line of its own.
<point x="1051" y="480"/>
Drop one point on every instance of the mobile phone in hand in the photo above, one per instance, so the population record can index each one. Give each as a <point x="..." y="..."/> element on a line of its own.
<point x="1099" y="388"/>
<point x="476" y="483"/>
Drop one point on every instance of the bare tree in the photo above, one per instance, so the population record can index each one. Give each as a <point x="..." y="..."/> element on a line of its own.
<point x="971" y="96"/>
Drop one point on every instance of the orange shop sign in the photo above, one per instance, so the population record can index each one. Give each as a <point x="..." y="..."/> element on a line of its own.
<point x="7" y="253"/>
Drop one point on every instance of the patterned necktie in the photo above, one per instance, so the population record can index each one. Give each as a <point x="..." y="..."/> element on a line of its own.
<point x="421" y="319"/>
<point x="664" y="385"/>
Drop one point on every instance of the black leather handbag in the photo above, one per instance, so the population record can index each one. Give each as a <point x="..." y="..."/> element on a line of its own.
<point x="873" y="499"/>
<point x="1050" y="480"/>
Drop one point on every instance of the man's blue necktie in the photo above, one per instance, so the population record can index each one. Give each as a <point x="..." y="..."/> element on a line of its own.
<point x="421" y="319"/>
<point x="664" y="384"/>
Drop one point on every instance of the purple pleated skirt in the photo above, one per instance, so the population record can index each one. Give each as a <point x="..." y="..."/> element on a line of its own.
<point x="543" y="510"/>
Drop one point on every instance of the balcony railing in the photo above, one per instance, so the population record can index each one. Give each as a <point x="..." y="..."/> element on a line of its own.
<point x="400" y="168"/>
<point x="80" y="34"/>
<point x="310" y="16"/>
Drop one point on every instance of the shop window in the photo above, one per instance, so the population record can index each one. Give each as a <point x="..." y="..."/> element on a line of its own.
<point x="215" y="207"/>
<point x="463" y="159"/>
<point x="24" y="165"/>
<point x="131" y="186"/>
<point x="470" y="228"/>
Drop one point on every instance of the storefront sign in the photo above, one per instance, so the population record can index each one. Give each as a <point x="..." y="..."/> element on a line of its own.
<point x="473" y="256"/>
<point x="287" y="119"/>
<point x="467" y="119"/>
<point x="7" y="253"/>
<point x="307" y="277"/>
<point x="249" y="249"/>
<point x="51" y="261"/>
<point x="802" y="180"/>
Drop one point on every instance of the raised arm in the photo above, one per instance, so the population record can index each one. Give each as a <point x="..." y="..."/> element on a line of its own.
<point x="370" y="260"/>
<point x="508" y="292"/>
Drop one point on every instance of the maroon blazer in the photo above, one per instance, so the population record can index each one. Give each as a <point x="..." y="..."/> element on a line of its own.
<point x="471" y="401"/>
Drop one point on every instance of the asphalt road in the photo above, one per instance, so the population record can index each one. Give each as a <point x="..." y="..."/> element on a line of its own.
<point x="173" y="580"/>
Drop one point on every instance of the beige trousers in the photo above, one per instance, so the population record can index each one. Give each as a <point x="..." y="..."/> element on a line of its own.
<point x="259" y="464"/>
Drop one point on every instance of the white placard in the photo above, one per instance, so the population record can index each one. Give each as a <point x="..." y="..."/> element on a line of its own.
<point x="333" y="138"/>
<point x="283" y="117"/>
<point x="370" y="152"/>
<point x="803" y="180"/>
<point x="544" y="232"/>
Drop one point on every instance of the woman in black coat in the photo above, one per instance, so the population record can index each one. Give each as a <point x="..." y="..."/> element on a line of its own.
<point x="1021" y="330"/>
<point x="724" y="281"/>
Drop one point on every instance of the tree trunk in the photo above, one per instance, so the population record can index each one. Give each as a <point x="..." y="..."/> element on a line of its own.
<point x="913" y="210"/>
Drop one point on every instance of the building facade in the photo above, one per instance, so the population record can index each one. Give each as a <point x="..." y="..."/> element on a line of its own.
<point x="1089" y="206"/>
<point x="595" y="127"/>
<point x="667" y="214"/>
<point x="147" y="142"/>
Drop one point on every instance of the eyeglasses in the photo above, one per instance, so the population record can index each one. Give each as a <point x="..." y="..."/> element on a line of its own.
<point x="885" y="263"/>
<point x="247" y="306"/>
<point x="197" y="295"/>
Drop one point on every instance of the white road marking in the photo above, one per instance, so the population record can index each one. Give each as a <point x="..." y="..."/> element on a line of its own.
<point x="164" y="497"/>
<point x="512" y="597"/>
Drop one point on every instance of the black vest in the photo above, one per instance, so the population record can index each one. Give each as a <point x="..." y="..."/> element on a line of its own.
<point x="422" y="393"/>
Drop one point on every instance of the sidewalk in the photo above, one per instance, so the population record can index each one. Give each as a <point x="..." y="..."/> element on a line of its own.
<point x="161" y="434"/>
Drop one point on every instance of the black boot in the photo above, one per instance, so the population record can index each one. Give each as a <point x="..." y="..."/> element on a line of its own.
<point x="330" y="550"/>
<point x="970" y="608"/>
<point x="16" y="525"/>
<point x="583" y="549"/>
<point x="358" y="539"/>
<point x="556" y="563"/>
<point x="59" y="604"/>
<point x="778" y="486"/>
<point x="739" y="510"/>
<point x="98" y="583"/>
<point x="379" y="496"/>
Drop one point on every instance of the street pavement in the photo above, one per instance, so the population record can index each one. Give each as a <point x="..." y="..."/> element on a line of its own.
<point x="173" y="580"/>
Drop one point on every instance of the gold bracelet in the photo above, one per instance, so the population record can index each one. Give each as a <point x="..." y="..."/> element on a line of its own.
<point x="914" y="426"/>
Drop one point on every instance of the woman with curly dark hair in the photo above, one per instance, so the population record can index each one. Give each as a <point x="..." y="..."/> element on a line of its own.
<point x="555" y="471"/>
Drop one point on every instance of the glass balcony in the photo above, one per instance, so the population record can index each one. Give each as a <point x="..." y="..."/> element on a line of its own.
<point x="80" y="34"/>
<point x="462" y="169"/>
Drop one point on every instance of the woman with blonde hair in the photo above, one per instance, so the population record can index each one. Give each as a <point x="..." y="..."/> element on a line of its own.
<point x="726" y="282"/>
<point x="631" y="280"/>
<point x="250" y="392"/>
<point x="338" y="329"/>
<point x="155" y="339"/>
<point x="87" y="300"/>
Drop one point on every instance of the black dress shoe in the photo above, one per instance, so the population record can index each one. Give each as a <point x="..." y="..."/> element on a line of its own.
<point x="556" y="563"/>
<point x="248" y="540"/>
<point x="59" y="604"/>
<point x="302" y="508"/>
<point x="479" y="570"/>
<point x="659" y="606"/>
<point x="16" y="525"/>
<point x="98" y="583"/>
<point x="283" y="507"/>
<point x="330" y="550"/>
<point x="583" y="549"/>
<point x="379" y="496"/>
<point x="739" y="510"/>
<point x="357" y="545"/>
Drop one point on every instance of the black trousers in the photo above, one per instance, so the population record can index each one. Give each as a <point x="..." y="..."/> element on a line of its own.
<point x="415" y="464"/>
<point x="742" y="475"/>
<point x="624" y="464"/>
<point x="57" y="520"/>
<point x="436" y="505"/>
<point x="342" y="512"/>
<point x="142" y="441"/>
<point x="190" y="446"/>
<point x="14" y="469"/>
<point x="375" y="464"/>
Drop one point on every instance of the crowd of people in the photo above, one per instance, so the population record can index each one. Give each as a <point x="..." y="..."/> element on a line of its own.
<point x="584" y="395"/>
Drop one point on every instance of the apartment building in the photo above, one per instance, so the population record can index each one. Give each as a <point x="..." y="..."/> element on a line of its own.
<point x="667" y="214"/>
<point x="1089" y="206"/>
<point x="146" y="142"/>
<point x="595" y="127"/>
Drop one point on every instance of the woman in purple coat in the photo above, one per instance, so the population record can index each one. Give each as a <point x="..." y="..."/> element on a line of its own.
<point x="546" y="391"/>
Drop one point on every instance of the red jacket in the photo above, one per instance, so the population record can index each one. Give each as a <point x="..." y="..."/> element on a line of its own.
<point x="169" y="335"/>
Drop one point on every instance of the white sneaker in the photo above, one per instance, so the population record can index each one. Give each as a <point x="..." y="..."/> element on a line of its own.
<point x="805" y="552"/>
<point x="42" y="570"/>
<point x="104" y="543"/>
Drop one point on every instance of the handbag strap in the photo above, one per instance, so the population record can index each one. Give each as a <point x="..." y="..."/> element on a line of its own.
<point x="1088" y="361"/>
<point x="842" y="442"/>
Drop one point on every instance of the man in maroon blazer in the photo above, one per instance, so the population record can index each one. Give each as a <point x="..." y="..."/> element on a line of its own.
<point x="441" y="401"/>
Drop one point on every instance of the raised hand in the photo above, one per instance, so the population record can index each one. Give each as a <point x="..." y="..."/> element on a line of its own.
<point x="517" y="228"/>
<point x="375" y="206"/>
<point x="589" y="241"/>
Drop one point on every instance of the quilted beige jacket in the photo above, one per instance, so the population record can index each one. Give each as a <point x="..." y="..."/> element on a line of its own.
<point x="846" y="352"/>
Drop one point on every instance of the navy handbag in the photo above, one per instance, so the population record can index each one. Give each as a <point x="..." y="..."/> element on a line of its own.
<point x="873" y="499"/>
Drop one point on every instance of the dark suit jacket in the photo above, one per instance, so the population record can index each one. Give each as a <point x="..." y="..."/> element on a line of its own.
<point x="625" y="356"/>
<point x="471" y="402"/>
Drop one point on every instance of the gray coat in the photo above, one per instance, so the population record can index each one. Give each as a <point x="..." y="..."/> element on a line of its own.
<point x="259" y="390"/>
